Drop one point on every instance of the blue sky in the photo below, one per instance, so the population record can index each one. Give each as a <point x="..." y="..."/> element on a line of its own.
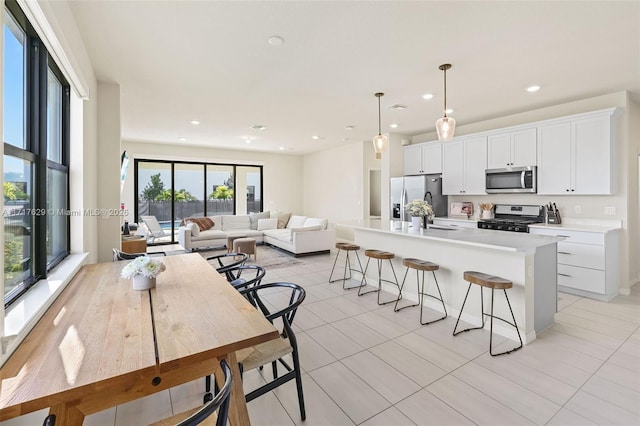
<point x="13" y="102"/>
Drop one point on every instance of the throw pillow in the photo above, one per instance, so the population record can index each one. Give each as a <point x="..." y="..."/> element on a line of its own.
<point x="203" y="223"/>
<point x="283" y="218"/>
<point x="264" y="224"/>
<point x="296" y="221"/>
<point x="254" y="217"/>
<point x="194" y="228"/>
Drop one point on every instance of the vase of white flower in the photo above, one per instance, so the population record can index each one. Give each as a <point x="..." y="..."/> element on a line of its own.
<point x="143" y="271"/>
<point x="418" y="209"/>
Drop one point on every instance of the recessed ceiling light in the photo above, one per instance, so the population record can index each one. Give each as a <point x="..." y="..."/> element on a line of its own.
<point x="448" y="110"/>
<point x="315" y="137"/>
<point x="393" y="125"/>
<point x="397" y="106"/>
<point x="258" y="127"/>
<point x="276" y="41"/>
<point x="427" y="96"/>
<point x="248" y="139"/>
<point x="281" y="148"/>
<point x="182" y="139"/>
<point x="194" y="122"/>
<point x="350" y="127"/>
<point x="533" y="88"/>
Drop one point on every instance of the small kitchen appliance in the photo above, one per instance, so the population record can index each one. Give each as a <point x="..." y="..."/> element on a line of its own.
<point x="511" y="179"/>
<point x="513" y="218"/>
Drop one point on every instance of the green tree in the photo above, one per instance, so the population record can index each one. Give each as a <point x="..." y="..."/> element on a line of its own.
<point x="12" y="192"/>
<point x="154" y="188"/>
<point x="180" y="195"/>
<point x="222" y="192"/>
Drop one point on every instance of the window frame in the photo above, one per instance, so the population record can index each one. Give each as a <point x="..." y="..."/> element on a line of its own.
<point x="38" y="62"/>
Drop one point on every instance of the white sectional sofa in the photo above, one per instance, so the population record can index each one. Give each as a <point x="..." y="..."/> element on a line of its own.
<point x="300" y="235"/>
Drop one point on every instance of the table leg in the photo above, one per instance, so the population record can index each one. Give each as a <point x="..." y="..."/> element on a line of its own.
<point x="66" y="415"/>
<point x="238" y="414"/>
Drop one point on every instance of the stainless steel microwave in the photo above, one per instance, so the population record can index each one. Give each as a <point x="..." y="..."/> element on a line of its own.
<point x="513" y="179"/>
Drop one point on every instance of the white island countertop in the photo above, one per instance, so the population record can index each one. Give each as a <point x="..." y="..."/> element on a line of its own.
<point x="496" y="240"/>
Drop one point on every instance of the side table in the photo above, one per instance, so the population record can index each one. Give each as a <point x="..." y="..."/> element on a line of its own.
<point x="134" y="245"/>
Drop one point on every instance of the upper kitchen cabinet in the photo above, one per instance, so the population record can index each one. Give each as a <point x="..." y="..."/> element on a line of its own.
<point x="512" y="149"/>
<point x="423" y="159"/>
<point x="574" y="155"/>
<point x="463" y="166"/>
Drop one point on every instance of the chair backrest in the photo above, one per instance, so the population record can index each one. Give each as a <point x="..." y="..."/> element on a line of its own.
<point x="220" y="402"/>
<point x="153" y="226"/>
<point x="256" y="294"/>
<point x="227" y="261"/>
<point x="245" y="276"/>
<point x="120" y="255"/>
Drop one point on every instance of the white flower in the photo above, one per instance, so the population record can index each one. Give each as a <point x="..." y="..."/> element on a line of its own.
<point x="143" y="265"/>
<point x="419" y="207"/>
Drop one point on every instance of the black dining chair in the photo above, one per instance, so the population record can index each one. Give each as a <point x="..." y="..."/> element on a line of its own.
<point x="245" y="276"/>
<point x="50" y="420"/>
<point x="227" y="261"/>
<point x="273" y="351"/>
<point x="119" y="255"/>
<point x="219" y="404"/>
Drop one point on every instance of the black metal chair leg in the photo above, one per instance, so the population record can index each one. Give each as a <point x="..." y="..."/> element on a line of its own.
<point x="422" y="294"/>
<point x="363" y="282"/>
<point x="395" y="307"/>
<point x="380" y="281"/>
<point x="514" y="326"/>
<point x="460" y="314"/>
<point x="334" y="266"/>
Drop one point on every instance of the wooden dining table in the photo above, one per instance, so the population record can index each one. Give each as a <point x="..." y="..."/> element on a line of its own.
<point x="102" y="344"/>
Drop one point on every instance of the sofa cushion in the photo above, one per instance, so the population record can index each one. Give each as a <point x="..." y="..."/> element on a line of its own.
<point x="194" y="228"/>
<point x="210" y="234"/>
<point x="307" y="228"/>
<point x="296" y="222"/>
<point x="315" y="221"/>
<point x="230" y="223"/>
<point x="255" y="217"/>
<point x="203" y="223"/>
<point x="279" y="234"/>
<point x="217" y="222"/>
<point x="264" y="224"/>
<point x="283" y="218"/>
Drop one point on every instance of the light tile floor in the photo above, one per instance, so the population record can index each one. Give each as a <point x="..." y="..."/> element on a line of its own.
<point x="366" y="365"/>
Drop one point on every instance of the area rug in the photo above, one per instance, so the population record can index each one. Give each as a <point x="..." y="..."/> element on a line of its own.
<point x="267" y="257"/>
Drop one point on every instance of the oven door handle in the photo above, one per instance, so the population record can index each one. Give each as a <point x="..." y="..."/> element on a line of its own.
<point x="522" y="179"/>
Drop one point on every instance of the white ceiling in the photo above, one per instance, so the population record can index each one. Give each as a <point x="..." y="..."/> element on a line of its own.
<point x="209" y="60"/>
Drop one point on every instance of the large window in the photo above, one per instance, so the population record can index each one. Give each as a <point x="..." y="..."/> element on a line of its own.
<point x="173" y="190"/>
<point x="36" y="175"/>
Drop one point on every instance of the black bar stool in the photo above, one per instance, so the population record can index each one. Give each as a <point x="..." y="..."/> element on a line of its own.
<point x="424" y="266"/>
<point x="492" y="282"/>
<point x="347" y="247"/>
<point x="379" y="255"/>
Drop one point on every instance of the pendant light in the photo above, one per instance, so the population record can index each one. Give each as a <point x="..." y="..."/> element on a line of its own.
<point x="379" y="141"/>
<point x="445" y="126"/>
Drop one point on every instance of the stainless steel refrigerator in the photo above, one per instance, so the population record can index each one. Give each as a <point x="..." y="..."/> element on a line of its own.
<point x="423" y="187"/>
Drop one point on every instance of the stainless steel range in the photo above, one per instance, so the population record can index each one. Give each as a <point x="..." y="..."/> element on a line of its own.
<point x="513" y="217"/>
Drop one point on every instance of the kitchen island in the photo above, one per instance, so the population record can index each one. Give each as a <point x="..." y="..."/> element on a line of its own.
<point x="529" y="261"/>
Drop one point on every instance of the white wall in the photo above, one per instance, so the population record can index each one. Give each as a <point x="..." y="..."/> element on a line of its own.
<point x="282" y="173"/>
<point x="333" y="183"/>
<point x="108" y="169"/>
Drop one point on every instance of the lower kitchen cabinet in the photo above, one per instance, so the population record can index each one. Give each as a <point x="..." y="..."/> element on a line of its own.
<point x="588" y="260"/>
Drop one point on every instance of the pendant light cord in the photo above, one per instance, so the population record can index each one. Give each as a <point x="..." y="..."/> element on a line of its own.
<point x="379" y="119"/>
<point x="445" y="92"/>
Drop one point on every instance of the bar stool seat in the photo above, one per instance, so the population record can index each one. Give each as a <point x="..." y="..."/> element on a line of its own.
<point x="494" y="283"/>
<point x="347" y="247"/>
<point x="380" y="256"/>
<point x="424" y="266"/>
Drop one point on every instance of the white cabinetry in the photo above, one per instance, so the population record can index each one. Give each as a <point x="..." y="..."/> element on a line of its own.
<point x="587" y="261"/>
<point x="515" y="148"/>
<point x="423" y="159"/>
<point x="463" y="166"/>
<point x="574" y="155"/>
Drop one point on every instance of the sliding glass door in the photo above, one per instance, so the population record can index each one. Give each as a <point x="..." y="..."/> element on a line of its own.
<point x="173" y="190"/>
